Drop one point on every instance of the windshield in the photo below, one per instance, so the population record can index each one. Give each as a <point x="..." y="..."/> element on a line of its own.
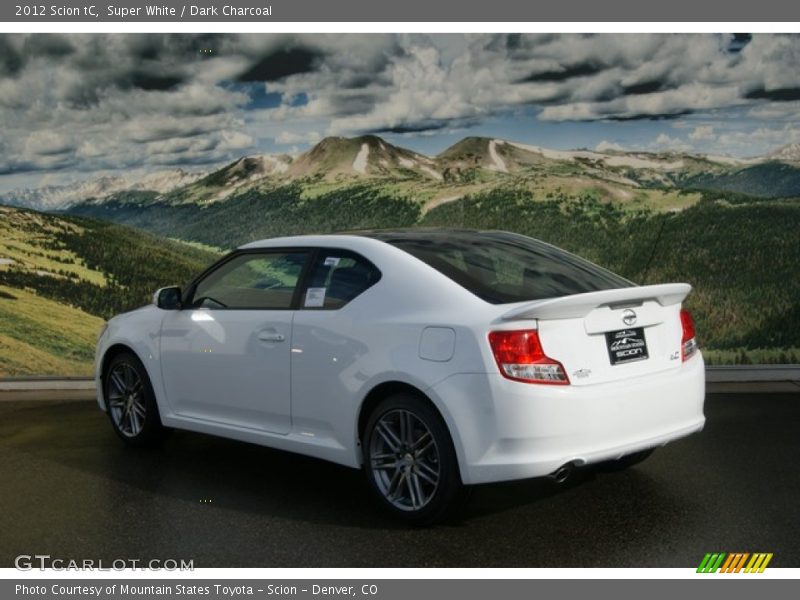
<point x="502" y="267"/>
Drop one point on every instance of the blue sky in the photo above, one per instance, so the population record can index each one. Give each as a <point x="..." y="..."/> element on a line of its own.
<point x="77" y="106"/>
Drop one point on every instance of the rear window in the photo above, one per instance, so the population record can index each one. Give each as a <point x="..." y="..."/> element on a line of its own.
<point x="504" y="267"/>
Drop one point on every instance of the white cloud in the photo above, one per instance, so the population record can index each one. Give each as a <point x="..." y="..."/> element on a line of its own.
<point x="776" y="111"/>
<point x="291" y="137"/>
<point x="235" y="140"/>
<point x="48" y="143"/>
<point x="759" y="141"/>
<point x="666" y="142"/>
<point x="702" y="132"/>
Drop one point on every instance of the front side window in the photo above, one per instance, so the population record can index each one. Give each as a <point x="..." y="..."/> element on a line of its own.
<point x="252" y="281"/>
<point x="336" y="278"/>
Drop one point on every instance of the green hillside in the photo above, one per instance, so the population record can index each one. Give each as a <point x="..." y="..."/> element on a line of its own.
<point x="768" y="180"/>
<point x="313" y="205"/>
<point x="43" y="337"/>
<point x="255" y="215"/>
<point x="61" y="276"/>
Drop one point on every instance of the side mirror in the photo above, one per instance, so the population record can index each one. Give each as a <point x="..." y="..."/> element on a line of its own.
<point x="168" y="298"/>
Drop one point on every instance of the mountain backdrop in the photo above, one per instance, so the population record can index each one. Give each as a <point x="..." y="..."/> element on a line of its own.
<point x="470" y="164"/>
<point x="728" y="226"/>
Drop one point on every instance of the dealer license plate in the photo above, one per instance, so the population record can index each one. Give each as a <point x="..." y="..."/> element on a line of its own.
<point x="626" y="345"/>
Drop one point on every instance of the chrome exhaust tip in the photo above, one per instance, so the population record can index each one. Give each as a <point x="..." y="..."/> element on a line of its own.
<point x="562" y="473"/>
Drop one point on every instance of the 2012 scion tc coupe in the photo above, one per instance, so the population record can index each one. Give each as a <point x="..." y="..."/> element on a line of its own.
<point x="432" y="359"/>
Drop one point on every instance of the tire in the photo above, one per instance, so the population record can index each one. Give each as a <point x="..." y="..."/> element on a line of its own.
<point x="131" y="403"/>
<point x="626" y="462"/>
<point x="410" y="462"/>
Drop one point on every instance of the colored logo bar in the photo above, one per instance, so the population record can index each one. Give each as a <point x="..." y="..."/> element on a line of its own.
<point x="735" y="562"/>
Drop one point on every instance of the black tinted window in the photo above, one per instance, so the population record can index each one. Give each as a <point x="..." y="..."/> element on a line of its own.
<point x="337" y="277"/>
<point x="504" y="267"/>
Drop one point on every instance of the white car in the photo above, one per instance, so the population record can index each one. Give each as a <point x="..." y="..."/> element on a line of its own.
<point x="432" y="359"/>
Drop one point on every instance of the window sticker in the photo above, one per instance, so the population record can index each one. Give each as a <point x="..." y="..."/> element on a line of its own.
<point x="315" y="297"/>
<point x="332" y="261"/>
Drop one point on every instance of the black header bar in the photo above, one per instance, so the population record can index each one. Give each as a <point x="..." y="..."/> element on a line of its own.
<point x="448" y="11"/>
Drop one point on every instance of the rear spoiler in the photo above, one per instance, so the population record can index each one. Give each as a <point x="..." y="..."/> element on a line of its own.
<point x="580" y="305"/>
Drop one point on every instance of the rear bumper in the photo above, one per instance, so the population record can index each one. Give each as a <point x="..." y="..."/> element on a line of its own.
<point x="507" y="430"/>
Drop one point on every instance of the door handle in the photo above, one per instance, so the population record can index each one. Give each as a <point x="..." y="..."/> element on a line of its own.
<point x="271" y="336"/>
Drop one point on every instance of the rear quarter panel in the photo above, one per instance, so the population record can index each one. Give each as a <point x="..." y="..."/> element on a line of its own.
<point x="340" y="356"/>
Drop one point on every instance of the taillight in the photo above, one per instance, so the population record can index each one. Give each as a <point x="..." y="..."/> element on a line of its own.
<point x="688" y="339"/>
<point x="520" y="357"/>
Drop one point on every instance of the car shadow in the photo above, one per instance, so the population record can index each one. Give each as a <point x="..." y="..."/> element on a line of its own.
<point x="202" y="469"/>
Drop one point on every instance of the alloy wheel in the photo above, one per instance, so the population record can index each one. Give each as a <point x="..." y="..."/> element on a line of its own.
<point x="404" y="460"/>
<point x="126" y="399"/>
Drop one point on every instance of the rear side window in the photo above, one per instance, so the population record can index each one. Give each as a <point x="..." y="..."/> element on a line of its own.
<point x="502" y="267"/>
<point x="336" y="278"/>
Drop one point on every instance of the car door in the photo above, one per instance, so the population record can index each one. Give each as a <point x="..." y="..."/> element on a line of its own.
<point x="328" y="345"/>
<point x="225" y="356"/>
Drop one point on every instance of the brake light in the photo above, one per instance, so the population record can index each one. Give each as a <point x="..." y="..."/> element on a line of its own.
<point x="688" y="339"/>
<point x="519" y="356"/>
